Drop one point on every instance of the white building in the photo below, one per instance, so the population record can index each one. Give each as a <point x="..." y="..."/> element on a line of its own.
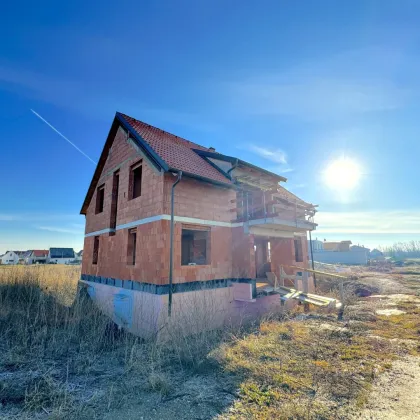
<point x="10" y="257"/>
<point x="60" y="255"/>
<point x="317" y="245"/>
<point x="359" y="248"/>
<point x="37" y="256"/>
<point x="339" y="253"/>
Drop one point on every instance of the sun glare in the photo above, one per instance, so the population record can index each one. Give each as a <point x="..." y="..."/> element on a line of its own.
<point x="343" y="174"/>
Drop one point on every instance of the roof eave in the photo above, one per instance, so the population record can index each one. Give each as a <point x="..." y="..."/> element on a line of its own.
<point x="96" y="175"/>
<point x="202" y="178"/>
<point x="205" y="153"/>
<point x="118" y="121"/>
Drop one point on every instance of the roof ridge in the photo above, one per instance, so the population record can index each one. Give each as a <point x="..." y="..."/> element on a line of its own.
<point x="164" y="131"/>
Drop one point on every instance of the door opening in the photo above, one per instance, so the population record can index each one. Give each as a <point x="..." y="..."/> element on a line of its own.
<point x="262" y="257"/>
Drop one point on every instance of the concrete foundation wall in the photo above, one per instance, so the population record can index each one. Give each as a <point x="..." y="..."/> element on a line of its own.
<point x="142" y="311"/>
<point x="146" y="314"/>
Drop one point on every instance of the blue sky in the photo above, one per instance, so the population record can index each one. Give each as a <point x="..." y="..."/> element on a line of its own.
<point x="289" y="86"/>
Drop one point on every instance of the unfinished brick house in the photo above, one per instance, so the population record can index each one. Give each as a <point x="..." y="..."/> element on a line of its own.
<point x="232" y="224"/>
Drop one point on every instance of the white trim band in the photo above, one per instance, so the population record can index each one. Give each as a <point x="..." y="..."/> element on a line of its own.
<point x="99" y="232"/>
<point x="152" y="219"/>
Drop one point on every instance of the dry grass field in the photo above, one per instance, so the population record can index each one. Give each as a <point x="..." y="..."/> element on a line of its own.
<point x="61" y="358"/>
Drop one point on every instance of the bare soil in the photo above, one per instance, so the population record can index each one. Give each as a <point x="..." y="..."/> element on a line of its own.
<point x="395" y="394"/>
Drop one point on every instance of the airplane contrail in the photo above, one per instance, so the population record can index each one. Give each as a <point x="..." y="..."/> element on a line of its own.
<point x="63" y="136"/>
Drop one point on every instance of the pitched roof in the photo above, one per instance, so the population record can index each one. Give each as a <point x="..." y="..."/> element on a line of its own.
<point x="176" y="152"/>
<point x="61" y="253"/>
<point x="289" y="196"/>
<point x="209" y="153"/>
<point x="40" y="252"/>
<point x="22" y="254"/>
<point x="165" y="150"/>
<point x="171" y="154"/>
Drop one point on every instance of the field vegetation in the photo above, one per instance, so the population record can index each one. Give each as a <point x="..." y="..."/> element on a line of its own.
<point x="61" y="358"/>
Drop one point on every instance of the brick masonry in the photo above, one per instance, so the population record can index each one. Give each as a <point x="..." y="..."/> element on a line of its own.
<point x="122" y="155"/>
<point x="199" y="199"/>
<point x="283" y="252"/>
<point x="231" y="250"/>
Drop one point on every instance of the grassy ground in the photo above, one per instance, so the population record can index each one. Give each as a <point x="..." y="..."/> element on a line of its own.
<point x="60" y="358"/>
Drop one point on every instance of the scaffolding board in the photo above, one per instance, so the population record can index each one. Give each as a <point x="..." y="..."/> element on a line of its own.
<point x="287" y="293"/>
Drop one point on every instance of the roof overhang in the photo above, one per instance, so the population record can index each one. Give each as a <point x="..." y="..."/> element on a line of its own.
<point x="201" y="178"/>
<point x="152" y="156"/>
<point x="238" y="162"/>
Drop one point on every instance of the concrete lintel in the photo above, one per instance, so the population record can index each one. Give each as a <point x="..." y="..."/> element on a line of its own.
<point x="299" y="224"/>
<point x="269" y="231"/>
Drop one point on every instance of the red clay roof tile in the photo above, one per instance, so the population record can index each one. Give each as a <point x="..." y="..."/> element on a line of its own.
<point x="176" y="151"/>
<point x="40" y="252"/>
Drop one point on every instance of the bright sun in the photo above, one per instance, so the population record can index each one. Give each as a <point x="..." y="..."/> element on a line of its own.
<point x="342" y="174"/>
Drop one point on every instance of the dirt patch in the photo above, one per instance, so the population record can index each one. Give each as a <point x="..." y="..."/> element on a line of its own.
<point x="387" y="303"/>
<point x="396" y="297"/>
<point x="396" y="393"/>
<point x="198" y="397"/>
<point x="389" y="312"/>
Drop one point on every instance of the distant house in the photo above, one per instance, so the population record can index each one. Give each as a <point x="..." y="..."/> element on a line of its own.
<point x="23" y="255"/>
<point x="339" y="252"/>
<point x="11" y="257"/>
<point x="337" y="246"/>
<point x="37" y="256"/>
<point x="79" y="255"/>
<point x="61" y="255"/>
<point x="317" y="245"/>
<point x="359" y="248"/>
<point x="375" y="254"/>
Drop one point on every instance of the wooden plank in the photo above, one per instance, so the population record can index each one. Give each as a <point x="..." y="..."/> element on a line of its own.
<point x="262" y="284"/>
<point x="289" y="293"/>
<point x="315" y="271"/>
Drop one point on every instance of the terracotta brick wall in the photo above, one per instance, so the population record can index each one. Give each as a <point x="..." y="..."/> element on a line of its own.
<point x="231" y="250"/>
<point x="243" y="254"/>
<point x="152" y="255"/>
<point x="283" y="252"/>
<point x="220" y="258"/>
<point x="122" y="155"/>
<point x="199" y="199"/>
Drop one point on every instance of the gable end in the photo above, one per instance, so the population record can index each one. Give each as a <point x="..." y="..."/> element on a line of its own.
<point x="119" y="121"/>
